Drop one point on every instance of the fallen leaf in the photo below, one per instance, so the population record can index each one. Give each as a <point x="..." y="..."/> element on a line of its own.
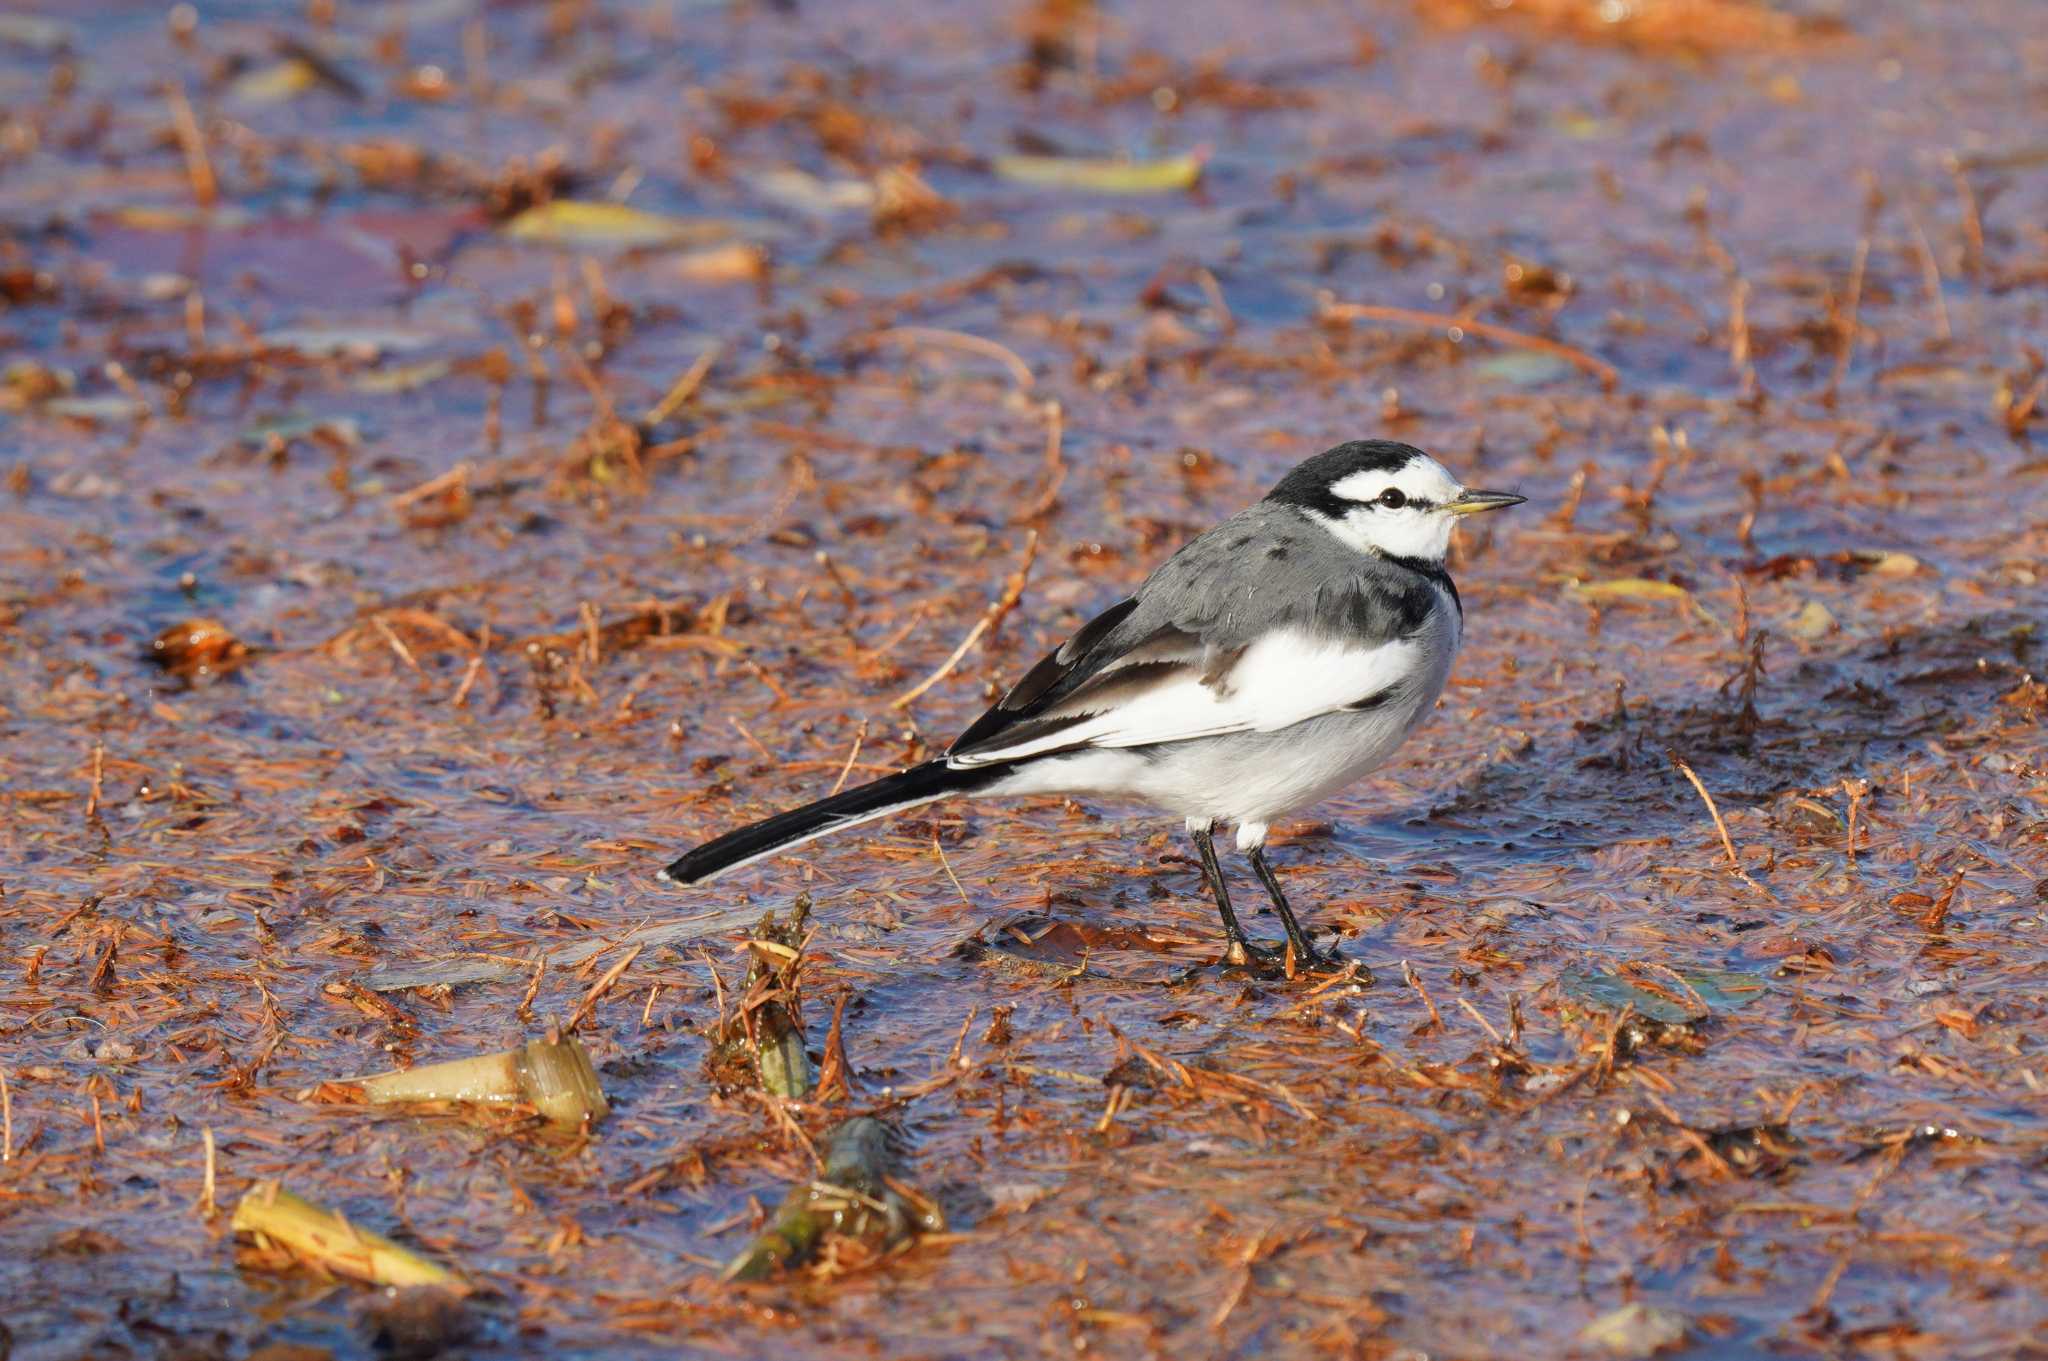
<point x="343" y="342"/>
<point x="1813" y="622"/>
<point x="1664" y="998"/>
<point x="344" y="430"/>
<point x="1636" y="1330"/>
<point x="1014" y="1197"/>
<point x="1523" y="368"/>
<point x="165" y="217"/>
<point x="1103" y="176"/>
<point x="805" y="192"/>
<point x="198" y="649"/>
<point x="734" y="261"/>
<point x="44" y="36"/>
<point x="96" y="410"/>
<point x="275" y="84"/>
<point x="1632" y="588"/>
<point x="27" y="383"/>
<point x="1061" y="949"/>
<point x="568" y="222"/>
<point x="404" y="377"/>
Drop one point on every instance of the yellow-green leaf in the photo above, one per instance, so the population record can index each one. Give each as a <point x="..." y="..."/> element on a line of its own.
<point x="1102" y="176"/>
<point x="1631" y="588"/>
<point x="568" y="222"/>
<point x="275" y="84"/>
<point x="405" y="377"/>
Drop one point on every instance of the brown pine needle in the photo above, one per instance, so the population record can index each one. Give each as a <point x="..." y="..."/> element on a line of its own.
<point x="1933" y="918"/>
<point x="1437" y="321"/>
<point x="1930" y="278"/>
<point x="208" y="1205"/>
<point x="1484" y="1024"/>
<point x="1727" y="842"/>
<point x="684" y="389"/>
<point x="476" y="666"/>
<point x="859" y="736"/>
<point x="1845" y="345"/>
<point x="1414" y="980"/>
<point x="1720" y="825"/>
<point x="1020" y="372"/>
<point x="600" y="988"/>
<point x="1013" y="591"/>
<point x="947" y="865"/>
<point x="752" y="740"/>
<point x="1055" y="467"/>
<point x="397" y="645"/>
<point x="99" y="774"/>
<point x="192" y="142"/>
<point x="456" y="476"/>
<point x="525" y="1007"/>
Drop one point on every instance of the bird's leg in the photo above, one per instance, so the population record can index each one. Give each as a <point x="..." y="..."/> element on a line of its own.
<point x="1303" y="951"/>
<point x="1240" y="950"/>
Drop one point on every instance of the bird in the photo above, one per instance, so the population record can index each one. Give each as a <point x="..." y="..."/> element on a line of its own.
<point x="1267" y="664"/>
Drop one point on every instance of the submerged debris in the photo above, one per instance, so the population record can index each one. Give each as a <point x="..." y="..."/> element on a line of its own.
<point x="275" y="1220"/>
<point x="1103" y="176"/>
<point x="199" y="650"/>
<point x="1670" y="996"/>
<point x="1636" y="1330"/>
<point x="768" y="1028"/>
<point x="568" y="222"/>
<point x="414" y="1323"/>
<point x="1677" y="25"/>
<point x="553" y="1075"/>
<point x="853" y="1214"/>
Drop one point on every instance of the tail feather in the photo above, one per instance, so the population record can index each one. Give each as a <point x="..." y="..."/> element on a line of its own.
<point x="890" y="794"/>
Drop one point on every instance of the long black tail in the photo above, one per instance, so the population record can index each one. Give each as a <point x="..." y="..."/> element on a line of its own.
<point x="890" y="794"/>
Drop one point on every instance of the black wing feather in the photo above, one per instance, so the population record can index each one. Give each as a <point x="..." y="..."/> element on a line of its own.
<point x="1057" y="675"/>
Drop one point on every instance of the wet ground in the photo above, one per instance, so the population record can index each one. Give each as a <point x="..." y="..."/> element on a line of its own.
<point x="470" y="629"/>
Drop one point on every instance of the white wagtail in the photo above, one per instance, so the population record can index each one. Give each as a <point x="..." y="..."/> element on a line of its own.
<point x="1263" y="667"/>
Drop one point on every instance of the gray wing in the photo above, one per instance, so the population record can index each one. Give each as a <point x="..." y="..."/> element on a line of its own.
<point x="1270" y="567"/>
<point x="1185" y="634"/>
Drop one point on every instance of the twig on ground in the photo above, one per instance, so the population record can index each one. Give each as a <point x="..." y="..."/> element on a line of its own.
<point x="192" y="143"/>
<point x="1457" y="325"/>
<point x="600" y="988"/>
<point x="1013" y="591"/>
<point x="1020" y="372"/>
<point x="1720" y="825"/>
<point x="684" y="389"/>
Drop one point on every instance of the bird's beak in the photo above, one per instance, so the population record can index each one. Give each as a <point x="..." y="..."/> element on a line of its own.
<point x="1479" y="502"/>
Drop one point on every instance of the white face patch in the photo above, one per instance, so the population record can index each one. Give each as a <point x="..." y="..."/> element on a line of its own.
<point x="1419" y="528"/>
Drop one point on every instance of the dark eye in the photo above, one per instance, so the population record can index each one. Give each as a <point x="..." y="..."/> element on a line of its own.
<point x="1393" y="498"/>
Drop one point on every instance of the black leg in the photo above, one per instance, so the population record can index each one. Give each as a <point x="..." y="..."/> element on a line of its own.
<point x="1303" y="951"/>
<point x="1240" y="950"/>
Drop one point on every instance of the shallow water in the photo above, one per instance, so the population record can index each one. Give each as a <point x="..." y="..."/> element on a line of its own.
<point x="189" y="872"/>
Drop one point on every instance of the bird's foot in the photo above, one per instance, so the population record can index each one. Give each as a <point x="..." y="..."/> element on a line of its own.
<point x="1241" y="953"/>
<point x="1281" y="960"/>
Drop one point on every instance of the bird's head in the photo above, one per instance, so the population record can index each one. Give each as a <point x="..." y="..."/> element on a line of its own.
<point x="1389" y="499"/>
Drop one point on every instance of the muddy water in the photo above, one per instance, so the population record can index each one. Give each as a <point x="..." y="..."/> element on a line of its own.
<point x="353" y="413"/>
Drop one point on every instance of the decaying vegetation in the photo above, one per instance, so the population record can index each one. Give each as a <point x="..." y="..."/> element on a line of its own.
<point x="457" y="455"/>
